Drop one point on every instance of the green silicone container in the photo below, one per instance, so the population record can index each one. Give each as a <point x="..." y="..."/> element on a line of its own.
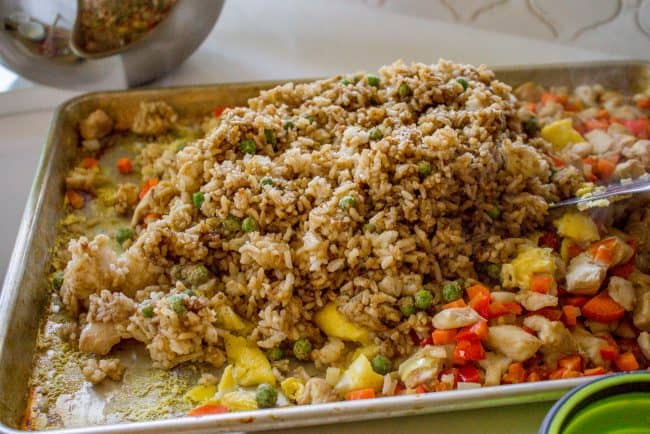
<point x="613" y="404"/>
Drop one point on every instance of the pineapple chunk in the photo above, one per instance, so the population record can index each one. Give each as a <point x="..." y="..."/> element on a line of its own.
<point x="359" y="375"/>
<point x="369" y="351"/>
<point x="579" y="227"/>
<point x="566" y="245"/>
<point x="561" y="133"/>
<point x="201" y="392"/>
<point x="335" y="325"/>
<point x="227" y="382"/>
<point x="239" y="400"/>
<point x="251" y="367"/>
<point x="527" y="263"/>
<point x="229" y="320"/>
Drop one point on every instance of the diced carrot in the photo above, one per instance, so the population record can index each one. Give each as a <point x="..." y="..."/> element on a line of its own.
<point x="570" y="315"/>
<point x="573" y="250"/>
<point x="609" y="242"/>
<point x="478" y="331"/>
<point x="542" y="283"/>
<point x="443" y="337"/>
<point x="605" y="169"/>
<point x="443" y="387"/>
<point x="557" y="161"/>
<point x="124" y="165"/>
<point x="516" y="374"/>
<point x="497" y="309"/>
<point x="572" y="362"/>
<point x="368" y="393"/>
<point x="577" y="300"/>
<point x="477" y="289"/>
<point x="399" y="388"/>
<point x="151" y="217"/>
<point x="218" y="111"/>
<point x="626" y="362"/>
<point x="533" y="376"/>
<point x="591" y="177"/>
<point x="551" y="313"/>
<point x="623" y="270"/>
<point x="456" y="303"/>
<point x="599" y="370"/>
<point x="468" y="350"/>
<point x="604" y="256"/>
<point x="603" y="114"/>
<point x="531" y="107"/>
<point x="603" y="308"/>
<point x="609" y="352"/>
<point x="573" y="106"/>
<point x="75" y="200"/>
<point x="551" y="97"/>
<point x="643" y="103"/>
<point x="89" y="163"/>
<point x="596" y="124"/>
<point x="549" y="239"/>
<point x="563" y="373"/>
<point x="481" y="304"/>
<point x="146" y="186"/>
<point x="205" y="409"/>
<point x="421" y="389"/>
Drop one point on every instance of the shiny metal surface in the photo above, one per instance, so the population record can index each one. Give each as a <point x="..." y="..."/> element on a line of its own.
<point x="619" y="189"/>
<point x="25" y="291"/>
<point x="48" y="56"/>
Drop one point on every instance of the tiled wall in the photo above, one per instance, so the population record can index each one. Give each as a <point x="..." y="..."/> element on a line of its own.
<point x="615" y="26"/>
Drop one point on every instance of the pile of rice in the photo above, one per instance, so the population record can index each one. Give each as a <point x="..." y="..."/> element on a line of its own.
<point x="403" y="231"/>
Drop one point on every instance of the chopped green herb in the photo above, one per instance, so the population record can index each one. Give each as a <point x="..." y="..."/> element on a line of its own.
<point x="288" y="125"/>
<point x="57" y="280"/>
<point x="269" y="136"/>
<point x="494" y="212"/>
<point x="424" y="168"/>
<point x="267" y="180"/>
<point x="249" y="224"/>
<point x="403" y="90"/>
<point x="147" y="310"/>
<point x="376" y="134"/>
<point x="310" y="118"/>
<point x="189" y="292"/>
<point x="463" y="83"/>
<point x="530" y="126"/>
<point x="248" y="146"/>
<point x="347" y="202"/>
<point x="493" y="271"/>
<point x="123" y="234"/>
<point x="198" y="198"/>
<point x="345" y="81"/>
<point x="369" y="227"/>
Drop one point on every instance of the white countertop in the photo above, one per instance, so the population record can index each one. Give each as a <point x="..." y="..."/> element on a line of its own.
<point x="256" y="40"/>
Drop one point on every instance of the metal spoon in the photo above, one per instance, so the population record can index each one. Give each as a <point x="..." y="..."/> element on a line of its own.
<point x="617" y="190"/>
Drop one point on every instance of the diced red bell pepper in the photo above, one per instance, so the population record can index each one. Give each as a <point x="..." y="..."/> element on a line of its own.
<point x="623" y="270"/>
<point x="599" y="370"/>
<point x="609" y="352"/>
<point x="638" y="127"/>
<point x="542" y="283"/>
<point x="516" y="374"/>
<point x="444" y="337"/>
<point x="497" y="309"/>
<point x="570" y="315"/>
<point x="421" y="389"/>
<point x="577" y="300"/>
<point x="478" y="331"/>
<point x="549" y="239"/>
<point x="469" y="374"/>
<point x="426" y="341"/>
<point x="627" y="362"/>
<point x="572" y="362"/>
<point x="218" y="110"/>
<point x="468" y="350"/>
<point x="476" y="290"/>
<point x="481" y="304"/>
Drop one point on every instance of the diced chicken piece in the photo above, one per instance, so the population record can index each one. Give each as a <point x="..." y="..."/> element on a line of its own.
<point x="84" y="179"/>
<point x="621" y="251"/>
<point x="423" y="366"/>
<point x="126" y="198"/>
<point x="629" y="169"/>
<point x="589" y="345"/>
<point x="108" y="318"/>
<point x="644" y="343"/>
<point x="577" y="151"/>
<point x="90" y="269"/>
<point x="97" y="371"/>
<point x="532" y="300"/>
<point x="584" y="275"/>
<point x="638" y="227"/>
<point x="455" y="317"/>
<point x="97" y="125"/>
<point x="98" y="338"/>
<point x="137" y="270"/>
<point x="601" y="141"/>
<point x="640" y="151"/>
<point x="513" y="341"/>
<point x="641" y="315"/>
<point x="588" y="95"/>
<point x="622" y="291"/>
<point x="529" y="91"/>
<point x="153" y="118"/>
<point x="316" y="391"/>
<point x="556" y="339"/>
<point x="522" y="159"/>
<point x="503" y="296"/>
<point x="495" y="366"/>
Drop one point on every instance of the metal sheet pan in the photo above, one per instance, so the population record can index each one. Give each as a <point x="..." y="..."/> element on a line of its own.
<point x="25" y="292"/>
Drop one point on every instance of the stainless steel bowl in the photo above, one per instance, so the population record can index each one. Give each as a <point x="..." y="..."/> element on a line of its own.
<point x="36" y="41"/>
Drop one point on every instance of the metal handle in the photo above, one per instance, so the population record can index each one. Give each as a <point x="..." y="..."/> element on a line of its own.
<point x="640" y="185"/>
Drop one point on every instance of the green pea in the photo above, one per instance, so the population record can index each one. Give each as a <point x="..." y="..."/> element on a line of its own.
<point x="189" y="293"/>
<point x="248" y="146"/>
<point x="57" y="280"/>
<point x="198" y="198"/>
<point x="423" y="299"/>
<point x="406" y="306"/>
<point x="376" y="134"/>
<point x="403" y="90"/>
<point x="197" y="275"/>
<point x="302" y="349"/>
<point x="267" y="180"/>
<point x="347" y="202"/>
<point x="451" y="291"/>
<point x="373" y="80"/>
<point x="231" y="224"/>
<point x="147" y="310"/>
<point x="463" y="83"/>
<point x="269" y="136"/>
<point x="266" y="396"/>
<point x="493" y="271"/>
<point x="345" y="82"/>
<point x="531" y="127"/>
<point x="249" y="224"/>
<point x="177" y="303"/>
<point x="424" y="168"/>
<point x="381" y="364"/>
<point x="275" y="354"/>
<point x="288" y="125"/>
<point x="123" y="234"/>
<point x="494" y="212"/>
